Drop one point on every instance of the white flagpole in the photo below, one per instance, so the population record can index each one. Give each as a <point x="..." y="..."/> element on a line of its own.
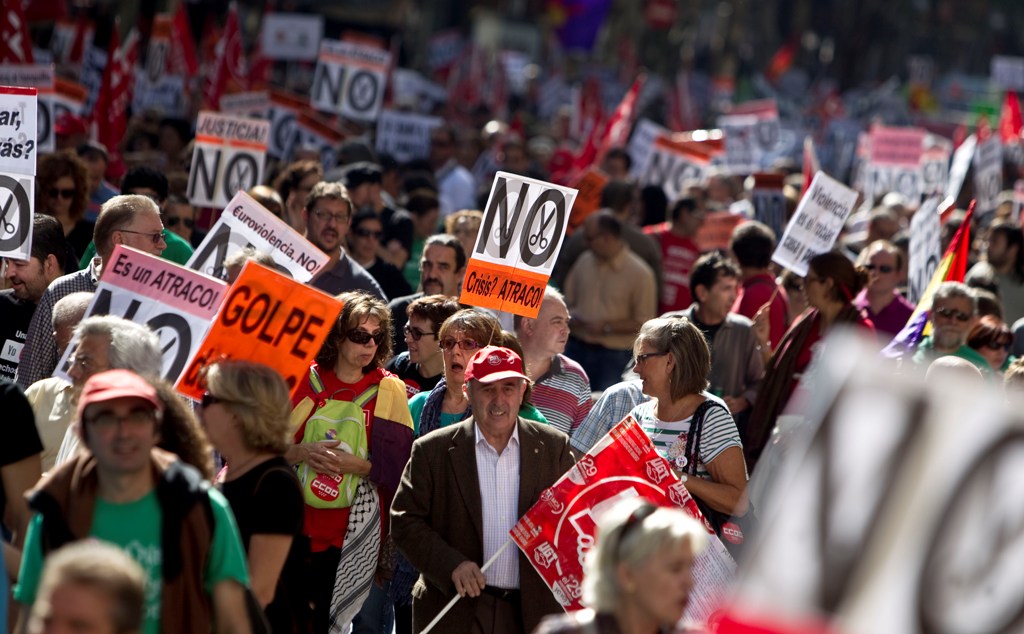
<point x="451" y="604"/>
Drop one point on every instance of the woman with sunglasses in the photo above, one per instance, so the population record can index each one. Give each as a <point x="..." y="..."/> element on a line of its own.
<point x="62" y="191"/>
<point x="245" y="413"/>
<point x="353" y="435"/>
<point x="639" y="574"/>
<point x="694" y="432"/>
<point x="830" y="286"/>
<point x="422" y="364"/>
<point x="992" y="339"/>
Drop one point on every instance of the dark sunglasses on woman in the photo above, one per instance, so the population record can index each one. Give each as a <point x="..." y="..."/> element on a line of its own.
<point x="361" y="337"/>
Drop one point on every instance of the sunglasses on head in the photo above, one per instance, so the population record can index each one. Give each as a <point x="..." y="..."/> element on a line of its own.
<point x="951" y="313"/>
<point x="209" y="399"/>
<point x="173" y="221"/>
<point x="56" y="192"/>
<point x="448" y="343"/>
<point x="416" y="334"/>
<point x="361" y="337"/>
<point x="881" y="268"/>
<point x="367" y="233"/>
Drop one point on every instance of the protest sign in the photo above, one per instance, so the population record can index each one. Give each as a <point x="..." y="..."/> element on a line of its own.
<point x="254" y="104"/>
<point x="40" y="77"/>
<point x="958" y="169"/>
<point x="18" y="124"/>
<point x="522" y="231"/>
<point x="769" y="201"/>
<point x="641" y="144"/>
<point x="559" y="530"/>
<point x="284" y="110"/>
<point x="716" y="230"/>
<point x="291" y="36"/>
<point x="17" y="205"/>
<point x="925" y="248"/>
<point x="988" y="173"/>
<point x="443" y="49"/>
<point x="159" y="84"/>
<point x="350" y="79"/>
<point x="675" y="164"/>
<point x="895" y="163"/>
<point x="69" y="99"/>
<point x="588" y="200"/>
<point x="266" y="318"/>
<point x="176" y="303"/>
<point x="816" y="223"/>
<point x="1008" y="72"/>
<point x="410" y="89"/>
<point x="245" y="223"/>
<point x="312" y="131"/>
<point x="935" y="166"/>
<point x="405" y="135"/>
<point x="228" y="158"/>
<point x="751" y="133"/>
<point x="93" y="66"/>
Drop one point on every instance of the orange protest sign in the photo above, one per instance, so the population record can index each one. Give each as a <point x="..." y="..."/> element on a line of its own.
<point x="267" y="318"/>
<point x="500" y="287"/>
<point x="717" y="230"/>
<point x="588" y="200"/>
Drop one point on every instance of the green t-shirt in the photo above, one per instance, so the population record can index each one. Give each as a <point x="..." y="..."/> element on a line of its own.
<point x="177" y="251"/>
<point x="417" y="402"/>
<point x="411" y="270"/>
<point x="135" y="528"/>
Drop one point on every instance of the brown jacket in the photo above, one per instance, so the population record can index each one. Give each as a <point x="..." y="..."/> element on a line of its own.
<point x="66" y="498"/>
<point x="437" y="518"/>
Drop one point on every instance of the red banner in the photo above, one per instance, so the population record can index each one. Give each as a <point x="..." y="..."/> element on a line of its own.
<point x="560" y="529"/>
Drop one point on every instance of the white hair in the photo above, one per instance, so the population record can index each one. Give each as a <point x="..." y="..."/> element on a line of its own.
<point x="132" y="346"/>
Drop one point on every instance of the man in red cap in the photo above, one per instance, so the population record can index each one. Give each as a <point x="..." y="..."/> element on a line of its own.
<point x="473" y="481"/>
<point x="146" y="501"/>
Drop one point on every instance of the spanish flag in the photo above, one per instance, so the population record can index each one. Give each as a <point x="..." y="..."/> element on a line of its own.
<point x="952" y="268"/>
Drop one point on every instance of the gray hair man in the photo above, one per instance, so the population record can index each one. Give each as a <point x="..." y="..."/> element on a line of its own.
<point x="953" y="315"/>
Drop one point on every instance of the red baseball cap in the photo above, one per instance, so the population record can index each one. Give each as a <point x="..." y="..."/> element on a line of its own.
<point x="112" y="384"/>
<point x="492" y="363"/>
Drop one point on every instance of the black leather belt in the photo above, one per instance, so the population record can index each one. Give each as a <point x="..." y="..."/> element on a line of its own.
<point x="512" y="596"/>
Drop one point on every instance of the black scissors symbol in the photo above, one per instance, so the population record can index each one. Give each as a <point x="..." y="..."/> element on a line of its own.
<point x="7" y="225"/>
<point x="539" y="237"/>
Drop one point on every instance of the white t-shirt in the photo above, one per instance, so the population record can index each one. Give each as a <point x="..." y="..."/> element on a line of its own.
<point x="718" y="434"/>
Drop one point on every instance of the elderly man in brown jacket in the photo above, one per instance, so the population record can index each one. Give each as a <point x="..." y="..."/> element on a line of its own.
<point x="464" y="488"/>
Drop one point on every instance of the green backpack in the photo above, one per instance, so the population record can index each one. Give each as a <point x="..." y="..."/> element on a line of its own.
<point x="334" y="420"/>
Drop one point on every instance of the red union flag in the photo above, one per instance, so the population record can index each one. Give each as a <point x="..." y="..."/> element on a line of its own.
<point x="15" y="43"/>
<point x="559" y="530"/>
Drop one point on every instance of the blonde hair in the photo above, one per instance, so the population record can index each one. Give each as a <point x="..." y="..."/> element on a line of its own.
<point x="258" y="396"/>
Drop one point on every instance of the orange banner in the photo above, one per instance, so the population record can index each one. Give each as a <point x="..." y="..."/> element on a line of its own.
<point x="717" y="230"/>
<point x="267" y="318"/>
<point x="588" y="200"/>
<point x="504" y="288"/>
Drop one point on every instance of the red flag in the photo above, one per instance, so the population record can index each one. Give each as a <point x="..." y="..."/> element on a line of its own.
<point x="620" y="124"/>
<point x="15" y="43"/>
<point x="111" y="113"/>
<point x="184" y="60"/>
<point x="782" y="60"/>
<point x="83" y="36"/>
<point x="230" y="68"/>
<point x="559" y="529"/>
<point x="682" y="111"/>
<point x="1010" y="119"/>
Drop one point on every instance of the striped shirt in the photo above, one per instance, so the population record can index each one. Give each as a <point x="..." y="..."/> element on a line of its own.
<point x="563" y="394"/>
<point x="499" y="498"/>
<point x="669" y="437"/>
<point x="612" y="407"/>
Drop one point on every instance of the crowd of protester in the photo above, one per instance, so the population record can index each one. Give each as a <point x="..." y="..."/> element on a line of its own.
<point x="372" y="494"/>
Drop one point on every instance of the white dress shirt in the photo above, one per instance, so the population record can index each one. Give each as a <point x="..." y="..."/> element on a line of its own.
<point x="499" y="497"/>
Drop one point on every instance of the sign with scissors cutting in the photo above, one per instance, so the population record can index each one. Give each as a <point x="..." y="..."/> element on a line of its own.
<point x="522" y="232"/>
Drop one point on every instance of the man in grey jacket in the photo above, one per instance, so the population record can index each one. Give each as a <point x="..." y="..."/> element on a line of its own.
<point x="736" y="363"/>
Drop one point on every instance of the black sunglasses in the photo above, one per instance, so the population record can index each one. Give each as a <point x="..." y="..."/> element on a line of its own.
<point x="366" y="233"/>
<point x="209" y="399"/>
<point x="173" y="221"/>
<point x="62" y="193"/>
<point x="361" y="337"/>
<point x="156" y="237"/>
<point x="996" y="345"/>
<point x="948" y="313"/>
<point x="416" y="333"/>
<point x="882" y="268"/>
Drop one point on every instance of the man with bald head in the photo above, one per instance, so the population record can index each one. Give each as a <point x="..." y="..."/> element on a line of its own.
<point x="132" y="221"/>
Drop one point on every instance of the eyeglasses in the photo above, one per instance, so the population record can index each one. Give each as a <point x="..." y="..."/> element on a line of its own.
<point x="173" y="221"/>
<point x="416" y="334"/>
<point x="366" y="233"/>
<point x="361" y="337"/>
<point x="136" y="418"/>
<point x="881" y="268"/>
<point x="997" y="345"/>
<point x="320" y="214"/>
<point x="62" y="193"/>
<point x="448" y="343"/>
<point x="209" y="399"/>
<point x="156" y="237"/>
<point x="950" y="313"/>
<point x="640" y="358"/>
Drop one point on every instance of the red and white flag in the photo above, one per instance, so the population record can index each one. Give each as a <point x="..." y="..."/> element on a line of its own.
<point x="230" y="70"/>
<point x="111" y="112"/>
<point x="559" y="530"/>
<point x="1010" y="119"/>
<point x="15" y="43"/>
<point x="620" y="124"/>
<point x="183" y="59"/>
